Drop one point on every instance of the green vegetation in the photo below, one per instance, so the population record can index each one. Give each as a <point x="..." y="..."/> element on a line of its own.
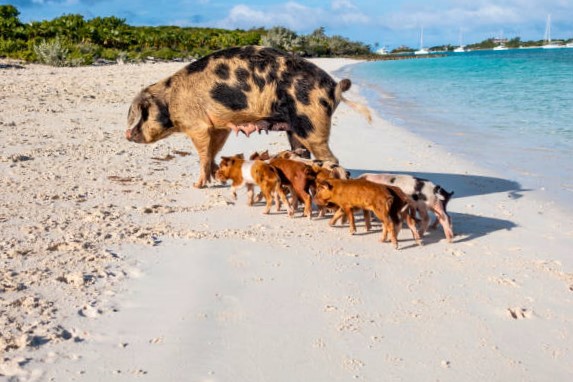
<point x="71" y="40"/>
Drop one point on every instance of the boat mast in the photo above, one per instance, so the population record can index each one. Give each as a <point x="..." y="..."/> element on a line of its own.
<point x="548" y="30"/>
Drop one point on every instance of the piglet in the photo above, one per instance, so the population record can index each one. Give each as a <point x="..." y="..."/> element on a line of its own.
<point x="250" y="173"/>
<point x="425" y="194"/>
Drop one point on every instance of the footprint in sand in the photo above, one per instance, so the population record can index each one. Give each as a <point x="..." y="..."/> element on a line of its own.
<point x="504" y="280"/>
<point x="519" y="313"/>
<point x="89" y="311"/>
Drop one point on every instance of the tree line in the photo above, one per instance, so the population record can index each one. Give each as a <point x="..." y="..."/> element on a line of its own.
<point x="71" y="40"/>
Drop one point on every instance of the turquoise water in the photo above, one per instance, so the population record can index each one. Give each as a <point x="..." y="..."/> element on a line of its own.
<point x="510" y="111"/>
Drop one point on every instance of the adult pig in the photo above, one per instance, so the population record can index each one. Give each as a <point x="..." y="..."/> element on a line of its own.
<point x="242" y="89"/>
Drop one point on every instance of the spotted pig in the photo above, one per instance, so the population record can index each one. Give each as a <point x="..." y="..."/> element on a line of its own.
<point x="425" y="194"/>
<point x="242" y="89"/>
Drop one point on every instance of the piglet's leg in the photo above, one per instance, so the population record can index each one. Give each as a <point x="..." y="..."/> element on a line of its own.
<point x="367" y="219"/>
<point x="336" y="216"/>
<point x="350" y="214"/>
<point x="409" y="216"/>
<point x="250" y="194"/>
<point x="425" y="219"/>
<point x="294" y="198"/>
<point x="307" y="205"/>
<point x="277" y="201"/>
<point x="388" y="227"/>
<point x="281" y="193"/>
<point x="234" y="192"/>
<point x="268" y="199"/>
<point x="444" y="220"/>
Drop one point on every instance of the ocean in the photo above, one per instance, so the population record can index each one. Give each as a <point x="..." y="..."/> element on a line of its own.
<point x="509" y="111"/>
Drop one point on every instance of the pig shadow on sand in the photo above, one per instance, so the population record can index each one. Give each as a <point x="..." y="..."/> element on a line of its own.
<point x="468" y="226"/>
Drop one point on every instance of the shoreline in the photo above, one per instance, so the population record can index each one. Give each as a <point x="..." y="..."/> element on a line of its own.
<point x="535" y="160"/>
<point x="112" y="239"/>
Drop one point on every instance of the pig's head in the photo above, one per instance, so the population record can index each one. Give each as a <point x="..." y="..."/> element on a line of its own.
<point x="443" y="195"/>
<point x="323" y="193"/>
<point x="148" y="119"/>
<point x="227" y="165"/>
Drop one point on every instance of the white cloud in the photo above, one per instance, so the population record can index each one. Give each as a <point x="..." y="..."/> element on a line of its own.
<point x="295" y="16"/>
<point x="342" y="4"/>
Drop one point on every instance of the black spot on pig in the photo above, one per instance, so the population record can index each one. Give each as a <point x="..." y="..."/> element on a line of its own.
<point x="232" y="53"/>
<point x="231" y="97"/>
<point x="302" y="126"/>
<point x="302" y="91"/>
<point x="259" y="81"/>
<point x="222" y="71"/>
<point x="163" y="117"/>
<point x="418" y="185"/>
<point x="243" y="75"/>
<point x="198" y="66"/>
<point x="326" y="106"/>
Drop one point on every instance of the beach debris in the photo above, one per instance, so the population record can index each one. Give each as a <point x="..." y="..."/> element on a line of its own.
<point x="155" y="240"/>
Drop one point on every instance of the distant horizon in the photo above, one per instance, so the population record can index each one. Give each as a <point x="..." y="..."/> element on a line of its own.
<point x="367" y="21"/>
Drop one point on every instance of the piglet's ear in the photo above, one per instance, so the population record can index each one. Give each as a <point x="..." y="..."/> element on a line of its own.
<point x="240" y="156"/>
<point x="225" y="159"/>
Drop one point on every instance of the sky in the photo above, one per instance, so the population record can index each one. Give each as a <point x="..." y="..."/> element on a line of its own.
<point x="389" y="23"/>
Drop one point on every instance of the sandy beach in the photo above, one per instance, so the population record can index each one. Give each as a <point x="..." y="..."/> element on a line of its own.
<point x="114" y="268"/>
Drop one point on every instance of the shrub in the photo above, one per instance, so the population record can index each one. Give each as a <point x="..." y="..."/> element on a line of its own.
<point x="10" y="46"/>
<point x="51" y="52"/>
<point x="164" y="54"/>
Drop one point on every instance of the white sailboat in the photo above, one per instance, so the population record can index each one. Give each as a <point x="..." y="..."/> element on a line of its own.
<point x="461" y="48"/>
<point x="501" y="45"/>
<point x="547" y="38"/>
<point x="422" y="50"/>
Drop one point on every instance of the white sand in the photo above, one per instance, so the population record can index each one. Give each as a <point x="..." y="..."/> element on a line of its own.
<point x="115" y="268"/>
